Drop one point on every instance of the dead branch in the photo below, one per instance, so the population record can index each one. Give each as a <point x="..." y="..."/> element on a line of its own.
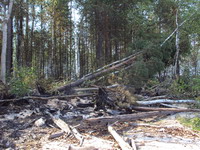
<point x="164" y="109"/>
<point x="66" y="97"/>
<point x="155" y="97"/>
<point x="170" y="106"/>
<point x="103" y="121"/>
<point x="77" y="135"/>
<point x="56" y="135"/>
<point x="158" y="101"/>
<point x="133" y="144"/>
<point x="177" y="29"/>
<point x="98" y="73"/>
<point x="94" y="89"/>
<point x="62" y="125"/>
<point x="68" y="129"/>
<point x="119" y="139"/>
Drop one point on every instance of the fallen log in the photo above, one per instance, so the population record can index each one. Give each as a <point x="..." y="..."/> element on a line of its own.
<point x="103" y="121"/>
<point x="68" y="129"/>
<point x="119" y="139"/>
<point x="169" y="101"/>
<point x="66" y="97"/>
<point x="95" y="88"/>
<point x="98" y="73"/>
<point x="112" y="64"/>
<point x="164" y="109"/>
<point x="170" y="106"/>
<point x="156" y="97"/>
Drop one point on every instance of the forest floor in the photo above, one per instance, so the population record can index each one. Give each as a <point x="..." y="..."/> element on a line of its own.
<point x="26" y="125"/>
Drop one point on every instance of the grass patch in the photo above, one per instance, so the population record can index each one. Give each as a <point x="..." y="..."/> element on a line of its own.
<point x="194" y="123"/>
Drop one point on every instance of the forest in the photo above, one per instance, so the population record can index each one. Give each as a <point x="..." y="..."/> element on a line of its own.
<point x="79" y="74"/>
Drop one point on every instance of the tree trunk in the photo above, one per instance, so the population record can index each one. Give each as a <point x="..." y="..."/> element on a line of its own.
<point x="98" y="73"/>
<point x="3" y="53"/>
<point x="30" y="54"/>
<point x="26" y="44"/>
<point x="177" y="56"/>
<point x="19" y="52"/>
<point x="9" y="60"/>
<point x="4" y="43"/>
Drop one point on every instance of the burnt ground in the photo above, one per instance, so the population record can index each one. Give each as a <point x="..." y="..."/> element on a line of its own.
<point x="20" y="128"/>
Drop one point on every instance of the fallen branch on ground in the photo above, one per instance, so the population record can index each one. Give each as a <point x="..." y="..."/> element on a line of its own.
<point x="165" y="109"/>
<point x="66" y="97"/>
<point x="68" y="129"/>
<point x="156" y="97"/>
<point x="119" y="139"/>
<point x="170" y="106"/>
<point x="103" y="121"/>
<point x="56" y="135"/>
<point x="158" y="101"/>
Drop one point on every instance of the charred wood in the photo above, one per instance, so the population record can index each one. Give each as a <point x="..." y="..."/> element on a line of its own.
<point x="103" y="121"/>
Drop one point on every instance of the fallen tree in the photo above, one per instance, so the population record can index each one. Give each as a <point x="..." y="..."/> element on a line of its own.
<point x="168" y="101"/>
<point x="106" y="69"/>
<point x="164" y="109"/>
<point x="103" y="121"/>
<point x="66" y="97"/>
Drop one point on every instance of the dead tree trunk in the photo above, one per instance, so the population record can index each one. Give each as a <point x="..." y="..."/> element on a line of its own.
<point x="103" y="121"/>
<point x="99" y="72"/>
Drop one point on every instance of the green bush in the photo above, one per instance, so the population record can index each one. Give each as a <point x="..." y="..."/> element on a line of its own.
<point x="179" y="86"/>
<point x="196" y="86"/>
<point x="22" y="81"/>
<point x="194" y="123"/>
<point x="186" y="85"/>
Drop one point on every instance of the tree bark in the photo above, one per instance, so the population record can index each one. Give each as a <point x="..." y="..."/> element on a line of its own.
<point x="9" y="60"/>
<point x="3" y="53"/>
<point x="4" y="43"/>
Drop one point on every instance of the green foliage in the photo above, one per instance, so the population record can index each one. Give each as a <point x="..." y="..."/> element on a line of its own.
<point x="196" y="85"/>
<point x="139" y="75"/>
<point x="179" y="86"/>
<point x="56" y="84"/>
<point x="23" y="81"/>
<point x="151" y="83"/>
<point x="194" y="123"/>
<point x="186" y="85"/>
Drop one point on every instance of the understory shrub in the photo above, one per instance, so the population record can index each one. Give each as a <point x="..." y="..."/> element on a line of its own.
<point x="194" y="123"/>
<point x="22" y="81"/>
<point x="186" y="87"/>
<point x="186" y="84"/>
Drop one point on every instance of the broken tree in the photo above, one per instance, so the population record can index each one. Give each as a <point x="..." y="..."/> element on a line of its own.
<point x="106" y="69"/>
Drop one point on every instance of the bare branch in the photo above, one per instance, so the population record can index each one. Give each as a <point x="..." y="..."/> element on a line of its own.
<point x="176" y="29"/>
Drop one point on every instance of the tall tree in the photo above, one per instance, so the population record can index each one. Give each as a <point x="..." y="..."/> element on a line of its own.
<point x="7" y="15"/>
